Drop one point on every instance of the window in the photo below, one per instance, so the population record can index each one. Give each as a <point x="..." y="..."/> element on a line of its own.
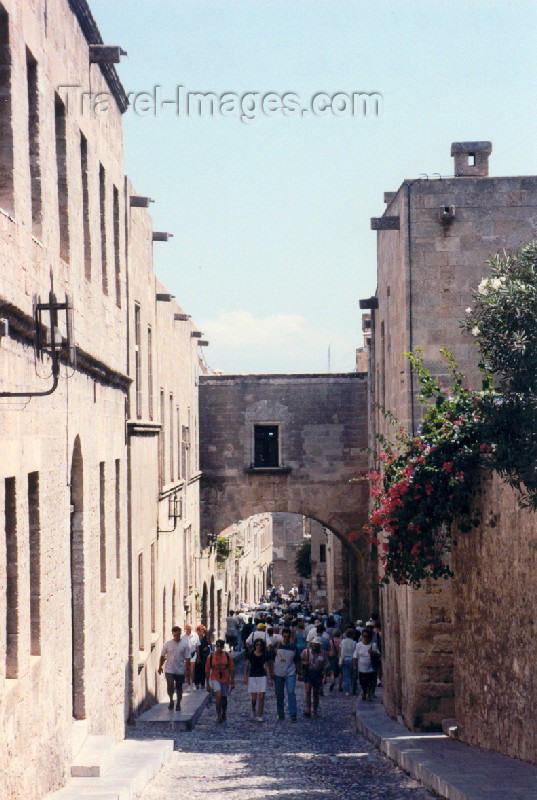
<point x="102" y="526"/>
<point x="118" y="518"/>
<point x="171" y="441"/>
<point x="34" y="529"/>
<point x="185" y="436"/>
<point x="153" y="589"/>
<point x="137" y="361"/>
<point x="6" y="122"/>
<point x="117" y="260"/>
<point x="150" y="371"/>
<point x="322" y="553"/>
<point x="266" y="446"/>
<point x="61" y="164"/>
<point x="140" y="601"/>
<point x="85" y="206"/>
<point x="33" y="143"/>
<point x="178" y="443"/>
<point x="12" y="580"/>
<point x="102" y="210"/>
<point x="162" y="441"/>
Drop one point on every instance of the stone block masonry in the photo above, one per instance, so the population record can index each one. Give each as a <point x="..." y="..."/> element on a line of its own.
<point x="319" y="426"/>
<point x="426" y="273"/>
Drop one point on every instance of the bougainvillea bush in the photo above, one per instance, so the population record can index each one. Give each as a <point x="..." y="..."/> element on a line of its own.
<point x="427" y="482"/>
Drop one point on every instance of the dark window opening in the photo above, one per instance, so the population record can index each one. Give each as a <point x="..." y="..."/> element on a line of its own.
<point x="6" y="122"/>
<point x="266" y="446"/>
<point x="322" y="554"/>
<point x="33" y="143"/>
<point x="63" y="187"/>
<point x="86" y="235"/>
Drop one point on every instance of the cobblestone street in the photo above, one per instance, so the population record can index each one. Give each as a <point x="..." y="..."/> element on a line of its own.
<point x="243" y="759"/>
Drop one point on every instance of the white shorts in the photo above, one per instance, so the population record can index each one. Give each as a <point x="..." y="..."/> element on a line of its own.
<point x="256" y="685"/>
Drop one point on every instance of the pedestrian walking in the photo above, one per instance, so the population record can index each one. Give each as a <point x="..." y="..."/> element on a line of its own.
<point x="315" y="665"/>
<point x="204" y="648"/>
<point x="232" y="630"/>
<point x="286" y="657"/>
<point x="346" y="659"/>
<point x="194" y="640"/>
<point x="363" y="662"/>
<point x="256" y="674"/>
<point x="220" y="677"/>
<point x="175" y="656"/>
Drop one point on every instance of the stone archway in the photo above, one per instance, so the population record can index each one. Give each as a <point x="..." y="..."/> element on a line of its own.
<point x="78" y="606"/>
<point x="320" y="426"/>
<point x="212" y="608"/>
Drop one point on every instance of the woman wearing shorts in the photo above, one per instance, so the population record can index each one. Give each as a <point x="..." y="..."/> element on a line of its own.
<point x="220" y="676"/>
<point x="256" y="663"/>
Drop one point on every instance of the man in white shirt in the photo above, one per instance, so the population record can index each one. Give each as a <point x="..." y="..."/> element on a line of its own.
<point x="176" y="655"/>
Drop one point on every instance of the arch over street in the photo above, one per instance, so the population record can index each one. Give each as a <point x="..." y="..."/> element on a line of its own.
<point x="289" y="443"/>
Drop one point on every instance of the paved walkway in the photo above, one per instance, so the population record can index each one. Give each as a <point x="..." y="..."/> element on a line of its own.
<point x="243" y="759"/>
<point x="454" y="770"/>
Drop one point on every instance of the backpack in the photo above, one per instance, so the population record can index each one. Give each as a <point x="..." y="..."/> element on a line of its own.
<point x="221" y="670"/>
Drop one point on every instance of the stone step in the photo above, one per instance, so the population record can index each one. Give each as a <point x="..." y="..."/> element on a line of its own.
<point x="160" y="717"/>
<point x="79" y="734"/>
<point x="133" y="765"/>
<point x="94" y="758"/>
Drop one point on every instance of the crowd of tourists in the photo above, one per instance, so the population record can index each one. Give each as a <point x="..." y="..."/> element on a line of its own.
<point x="284" y="641"/>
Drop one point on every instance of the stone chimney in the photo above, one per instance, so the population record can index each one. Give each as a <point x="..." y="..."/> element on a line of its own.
<point x="471" y="159"/>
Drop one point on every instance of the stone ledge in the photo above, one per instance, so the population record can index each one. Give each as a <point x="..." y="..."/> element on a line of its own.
<point x="133" y="765"/>
<point x="159" y="716"/>
<point x="450" y="768"/>
<point x="267" y="470"/>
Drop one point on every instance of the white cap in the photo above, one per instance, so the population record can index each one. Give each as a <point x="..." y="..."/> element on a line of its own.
<point x="316" y="640"/>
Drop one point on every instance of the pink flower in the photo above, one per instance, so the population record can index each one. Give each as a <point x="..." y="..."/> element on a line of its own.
<point x="447" y="466"/>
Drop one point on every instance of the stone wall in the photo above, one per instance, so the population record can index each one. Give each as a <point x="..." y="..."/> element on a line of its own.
<point x="495" y="611"/>
<point x="322" y="438"/>
<point x="63" y="539"/>
<point x="428" y="264"/>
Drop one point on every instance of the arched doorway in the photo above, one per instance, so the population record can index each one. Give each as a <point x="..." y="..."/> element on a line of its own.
<point x="204" y="606"/>
<point x="212" y="608"/>
<point x="219" y="610"/>
<point x="78" y="656"/>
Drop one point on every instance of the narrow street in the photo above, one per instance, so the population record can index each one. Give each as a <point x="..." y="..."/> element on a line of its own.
<point x="243" y="759"/>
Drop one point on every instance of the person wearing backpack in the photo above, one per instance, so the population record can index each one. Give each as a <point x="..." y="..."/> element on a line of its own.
<point x="220" y="677"/>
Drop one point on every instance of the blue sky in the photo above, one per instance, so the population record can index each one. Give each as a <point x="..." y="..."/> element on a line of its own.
<point x="272" y="247"/>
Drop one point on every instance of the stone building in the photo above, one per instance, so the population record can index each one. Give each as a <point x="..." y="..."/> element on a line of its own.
<point x="162" y="443"/>
<point x="293" y="444"/>
<point x="433" y="242"/>
<point x="244" y="573"/>
<point x="329" y="567"/>
<point x="64" y="573"/>
<point x="287" y="536"/>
